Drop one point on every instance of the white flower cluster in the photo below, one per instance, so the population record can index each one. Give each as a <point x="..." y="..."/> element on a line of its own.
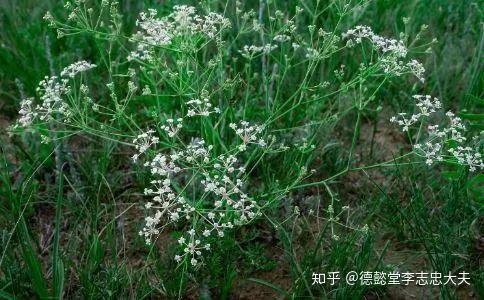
<point x="51" y="91"/>
<point x="249" y="134"/>
<point x="252" y="51"/>
<point x="468" y="156"/>
<point x="402" y="120"/>
<point x="76" y="68"/>
<point x="432" y="152"/>
<point x="425" y="103"/>
<point x="197" y="107"/>
<point x="173" y="126"/>
<point x="281" y="38"/>
<point x="219" y="204"/>
<point x="191" y="247"/>
<point x="143" y="142"/>
<point x="383" y="44"/>
<point x="435" y="148"/>
<point x="183" y="21"/>
<point x="213" y="23"/>
<point x="312" y="54"/>
<point x="394" y="51"/>
<point x="417" y="69"/>
<point x="27" y="112"/>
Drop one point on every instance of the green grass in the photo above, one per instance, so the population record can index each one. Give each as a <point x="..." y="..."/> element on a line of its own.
<point x="71" y="209"/>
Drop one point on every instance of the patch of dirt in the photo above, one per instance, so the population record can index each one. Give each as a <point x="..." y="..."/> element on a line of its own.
<point x="382" y="143"/>
<point x="279" y="277"/>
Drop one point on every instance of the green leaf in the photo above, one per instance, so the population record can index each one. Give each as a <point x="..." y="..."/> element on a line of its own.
<point x="5" y="295"/>
<point x="33" y="265"/>
<point x="57" y="264"/>
<point x="475" y="187"/>
<point x="472" y="117"/>
<point x="451" y="175"/>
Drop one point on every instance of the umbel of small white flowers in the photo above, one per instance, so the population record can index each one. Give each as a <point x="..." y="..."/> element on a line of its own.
<point x="436" y="146"/>
<point x="76" y="68"/>
<point x="248" y="133"/>
<point x="252" y="51"/>
<point x="221" y="203"/>
<point x="144" y="141"/>
<point x="51" y="92"/>
<point x="394" y="51"/>
<point x="197" y="107"/>
<point x="173" y="126"/>
<point x="158" y="32"/>
<point x="425" y="103"/>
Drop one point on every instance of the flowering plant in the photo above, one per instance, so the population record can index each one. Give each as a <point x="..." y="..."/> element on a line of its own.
<point x="207" y="106"/>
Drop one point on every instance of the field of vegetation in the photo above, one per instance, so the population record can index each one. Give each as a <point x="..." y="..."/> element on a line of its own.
<point x="260" y="149"/>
